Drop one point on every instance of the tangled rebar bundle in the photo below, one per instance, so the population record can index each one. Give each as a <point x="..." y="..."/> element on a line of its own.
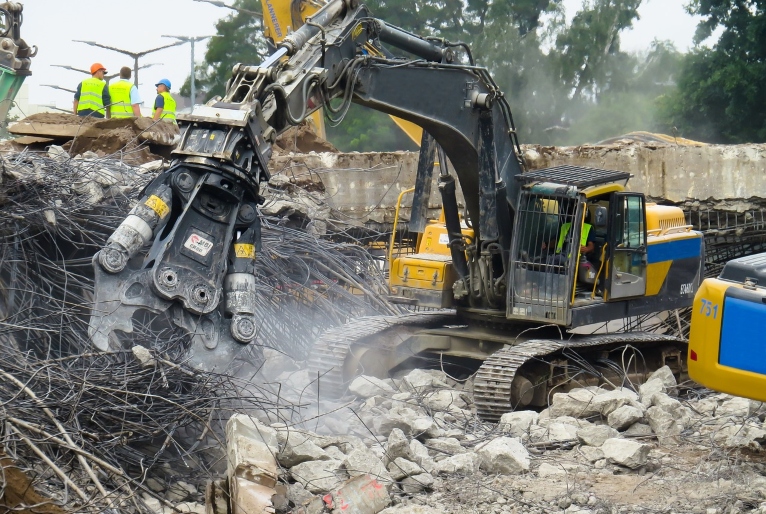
<point x="85" y="431"/>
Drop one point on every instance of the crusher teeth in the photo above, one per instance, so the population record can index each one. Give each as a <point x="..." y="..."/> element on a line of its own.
<point x="492" y="385"/>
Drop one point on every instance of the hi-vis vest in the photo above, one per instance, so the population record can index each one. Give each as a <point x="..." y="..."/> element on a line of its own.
<point x="169" y="111"/>
<point x="120" y="93"/>
<point x="91" y="91"/>
<point x="565" y="230"/>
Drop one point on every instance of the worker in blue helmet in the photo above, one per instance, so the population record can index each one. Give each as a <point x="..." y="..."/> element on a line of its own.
<point x="164" y="104"/>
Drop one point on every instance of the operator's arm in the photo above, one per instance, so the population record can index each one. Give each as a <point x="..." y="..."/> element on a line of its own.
<point x="76" y="98"/>
<point x="135" y="101"/>
<point x="590" y="243"/>
<point x="106" y="98"/>
<point x="159" y="106"/>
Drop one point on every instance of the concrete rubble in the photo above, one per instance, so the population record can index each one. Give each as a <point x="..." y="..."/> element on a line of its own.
<point x="413" y="444"/>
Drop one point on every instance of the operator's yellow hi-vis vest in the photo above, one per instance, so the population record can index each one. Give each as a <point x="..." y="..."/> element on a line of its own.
<point x="91" y="91"/>
<point x="169" y="111"/>
<point x="120" y="93"/>
<point x="565" y="230"/>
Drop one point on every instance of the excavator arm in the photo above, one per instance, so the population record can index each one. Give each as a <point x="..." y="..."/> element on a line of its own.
<point x="199" y="219"/>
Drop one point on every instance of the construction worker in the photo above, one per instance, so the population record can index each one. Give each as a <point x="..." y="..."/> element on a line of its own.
<point x="560" y="255"/>
<point x="92" y="96"/>
<point x="164" y="105"/>
<point x="126" y="100"/>
<point x="587" y="243"/>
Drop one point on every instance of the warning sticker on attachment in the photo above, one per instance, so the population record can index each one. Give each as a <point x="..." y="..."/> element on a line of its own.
<point x="244" y="251"/>
<point x="198" y="244"/>
<point x="156" y="204"/>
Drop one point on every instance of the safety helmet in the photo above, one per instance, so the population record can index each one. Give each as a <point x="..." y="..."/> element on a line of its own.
<point x="96" y="66"/>
<point x="164" y="82"/>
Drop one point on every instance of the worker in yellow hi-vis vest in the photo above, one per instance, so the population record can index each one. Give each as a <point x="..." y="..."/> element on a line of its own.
<point x="560" y="253"/>
<point x="92" y="96"/>
<point x="164" y="104"/>
<point x="126" y="102"/>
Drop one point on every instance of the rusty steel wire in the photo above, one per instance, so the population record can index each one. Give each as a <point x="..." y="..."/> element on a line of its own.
<point x="84" y="431"/>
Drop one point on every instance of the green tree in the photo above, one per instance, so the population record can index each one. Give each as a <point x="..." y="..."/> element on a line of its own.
<point x="721" y="91"/>
<point x="637" y="85"/>
<point x="560" y="79"/>
<point x="239" y="40"/>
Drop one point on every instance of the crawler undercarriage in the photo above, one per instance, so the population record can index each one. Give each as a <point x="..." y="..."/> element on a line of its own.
<point x="512" y="368"/>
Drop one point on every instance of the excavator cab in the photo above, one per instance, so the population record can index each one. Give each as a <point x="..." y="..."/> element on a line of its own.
<point x="638" y="257"/>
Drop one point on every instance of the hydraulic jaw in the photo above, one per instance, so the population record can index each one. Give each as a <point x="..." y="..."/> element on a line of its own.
<point x="186" y="252"/>
<point x="201" y="221"/>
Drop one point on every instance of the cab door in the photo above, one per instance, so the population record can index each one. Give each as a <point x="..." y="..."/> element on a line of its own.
<point x="627" y="246"/>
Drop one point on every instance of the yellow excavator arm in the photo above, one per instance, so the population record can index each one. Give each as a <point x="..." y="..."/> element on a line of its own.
<point x="280" y="17"/>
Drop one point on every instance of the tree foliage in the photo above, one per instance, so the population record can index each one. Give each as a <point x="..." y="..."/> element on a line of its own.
<point x="566" y="82"/>
<point x="239" y="39"/>
<point x="721" y="91"/>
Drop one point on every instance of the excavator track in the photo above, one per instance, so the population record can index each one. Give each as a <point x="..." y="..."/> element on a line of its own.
<point x="330" y="355"/>
<point x="494" y="382"/>
<point x="339" y="356"/>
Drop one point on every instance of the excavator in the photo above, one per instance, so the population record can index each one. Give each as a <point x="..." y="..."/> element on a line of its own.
<point x="15" y="55"/>
<point x="526" y="285"/>
<point x="726" y="342"/>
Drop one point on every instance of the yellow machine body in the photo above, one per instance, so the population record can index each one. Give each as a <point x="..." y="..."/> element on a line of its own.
<point x="667" y="231"/>
<point x="727" y="343"/>
<point x="427" y="275"/>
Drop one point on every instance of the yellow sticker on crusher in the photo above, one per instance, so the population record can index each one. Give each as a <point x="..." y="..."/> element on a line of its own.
<point x="156" y="204"/>
<point x="244" y="251"/>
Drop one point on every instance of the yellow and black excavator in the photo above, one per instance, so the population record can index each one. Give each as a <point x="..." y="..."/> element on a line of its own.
<point x="516" y="287"/>
<point x="727" y="343"/>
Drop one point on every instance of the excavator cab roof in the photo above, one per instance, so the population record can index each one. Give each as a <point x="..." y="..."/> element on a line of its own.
<point x="578" y="176"/>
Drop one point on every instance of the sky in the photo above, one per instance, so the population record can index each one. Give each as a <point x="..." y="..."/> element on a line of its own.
<point x="138" y="25"/>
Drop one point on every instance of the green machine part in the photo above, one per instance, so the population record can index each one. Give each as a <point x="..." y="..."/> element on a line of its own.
<point x="15" y="55"/>
<point x="10" y="83"/>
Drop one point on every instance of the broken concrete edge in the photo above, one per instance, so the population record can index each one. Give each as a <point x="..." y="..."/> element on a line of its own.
<point x="252" y="477"/>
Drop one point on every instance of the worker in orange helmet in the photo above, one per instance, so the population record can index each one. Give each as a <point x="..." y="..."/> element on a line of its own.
<point x="92" y="95"/>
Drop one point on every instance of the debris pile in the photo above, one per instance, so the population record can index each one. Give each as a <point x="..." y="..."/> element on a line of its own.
<point x="86" y="432"/>
<point x="134" y="141"/>
<point x="137" y="431"/>
<point x="660" y="448"/>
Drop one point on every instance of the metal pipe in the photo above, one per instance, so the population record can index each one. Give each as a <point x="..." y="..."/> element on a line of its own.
<point x="452" y="221"/>
<point x="409" y="42"/>
<point x="396" y="220"/>
<point x="322" y="18"/>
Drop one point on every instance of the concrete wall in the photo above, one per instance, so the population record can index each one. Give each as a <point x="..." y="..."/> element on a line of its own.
<point x="365" y="186"/>
<point x="725" y="176"/>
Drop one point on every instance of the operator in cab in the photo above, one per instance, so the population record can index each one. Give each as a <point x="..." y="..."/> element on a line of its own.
<point x="560" y="253"/>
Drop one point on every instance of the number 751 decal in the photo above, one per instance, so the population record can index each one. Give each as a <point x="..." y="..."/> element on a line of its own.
<point x="709" y="308"/>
